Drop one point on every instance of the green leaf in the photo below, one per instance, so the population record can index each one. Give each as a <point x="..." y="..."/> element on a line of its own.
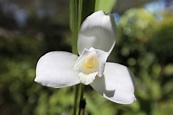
<point x="74" y="23"/>
<point x="105" y="5"/>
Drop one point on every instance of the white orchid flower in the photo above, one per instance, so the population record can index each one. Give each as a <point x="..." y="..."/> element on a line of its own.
<point x="96" y="40"/>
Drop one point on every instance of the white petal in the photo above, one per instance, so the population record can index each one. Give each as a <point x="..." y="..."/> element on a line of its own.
<point x="97" y="31"/>
<point x="55" y="69"/>
<point x="117" y="84"/>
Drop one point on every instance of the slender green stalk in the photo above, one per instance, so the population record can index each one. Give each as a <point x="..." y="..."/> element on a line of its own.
<point x="80" y="14"/>
<point x="82" y="102"/>
<point x="76" y="92"/>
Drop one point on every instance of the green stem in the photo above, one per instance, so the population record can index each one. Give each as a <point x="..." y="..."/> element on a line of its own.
<point x="76" y="92"/>
<point x="82" y="102"/>
<point x="80" y="14"/>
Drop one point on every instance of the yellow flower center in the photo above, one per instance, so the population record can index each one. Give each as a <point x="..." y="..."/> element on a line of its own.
<point x="91" y="62"/>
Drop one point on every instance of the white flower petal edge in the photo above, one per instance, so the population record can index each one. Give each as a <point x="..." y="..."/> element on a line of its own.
<point x="102" y="61"/>
<point x="97" y="31"/>
<point x="55" y="69"/>
<point x="117" y="84"/>
<point x="87" y="79"/>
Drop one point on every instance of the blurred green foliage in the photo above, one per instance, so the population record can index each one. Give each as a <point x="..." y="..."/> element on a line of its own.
<point x="144" y="44"/>
<point x="137" y="24"/>
<point x="163" y="39"/>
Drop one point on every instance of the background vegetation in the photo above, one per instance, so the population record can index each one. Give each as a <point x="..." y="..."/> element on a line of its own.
<point x="144" y="44"/>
